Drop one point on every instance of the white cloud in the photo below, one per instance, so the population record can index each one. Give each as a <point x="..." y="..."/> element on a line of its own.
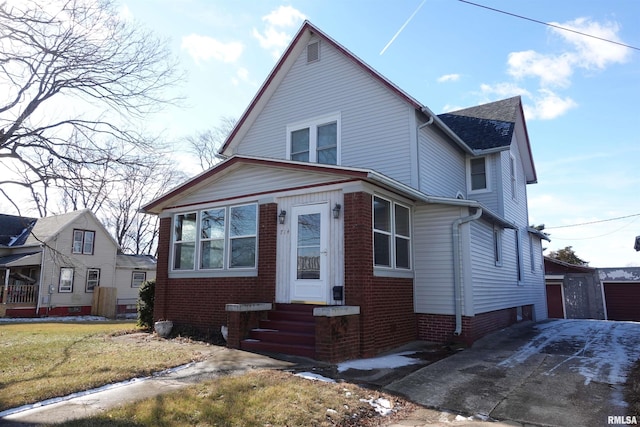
<point x="548" y="105"/>
<point x="591" y="52"/>
<point x="449" y="78"/>
<point x="125" y="13"/>
<point x="205" y="48"/>
<point x="551" y="70"/>
<point x="275" y="36"/>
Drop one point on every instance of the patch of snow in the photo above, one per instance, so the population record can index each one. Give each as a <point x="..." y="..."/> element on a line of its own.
<point x="461" y="418"/>
<point x="381" y="405"/>
<point x="332" y="411"/>
<point x="53" y="400"/>
<point x="392" y="361"/>
<point x="53" y="319"/>
<point x="314" y="377"/>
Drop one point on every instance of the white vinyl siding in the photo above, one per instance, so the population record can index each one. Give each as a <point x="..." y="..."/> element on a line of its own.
<point x="376" y="124"/>
<point x="442" y="165"/>
<point x="433" y="249"/>
<point x="495" y="287"/>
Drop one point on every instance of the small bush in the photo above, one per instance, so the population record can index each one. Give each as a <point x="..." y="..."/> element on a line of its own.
<point x="145" y="304"/>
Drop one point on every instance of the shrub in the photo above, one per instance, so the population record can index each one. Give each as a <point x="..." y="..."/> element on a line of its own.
<point x="146" y="299"/>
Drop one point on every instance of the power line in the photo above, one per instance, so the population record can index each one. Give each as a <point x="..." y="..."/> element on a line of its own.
<point x="592" y="222"/>
<point x="549" y="25"/>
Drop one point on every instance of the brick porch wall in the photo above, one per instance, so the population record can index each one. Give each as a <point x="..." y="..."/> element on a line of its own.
<point x="200" y="302"/>
<point x="440" y="327"/>
<point x="387" y="319"/>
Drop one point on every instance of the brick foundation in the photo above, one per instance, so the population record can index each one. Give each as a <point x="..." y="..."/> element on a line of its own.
<point x="440" y="327"/>
<point x="337" y="338"/>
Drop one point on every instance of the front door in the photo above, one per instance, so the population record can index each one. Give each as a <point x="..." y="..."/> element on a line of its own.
<point x="309" y="240"/>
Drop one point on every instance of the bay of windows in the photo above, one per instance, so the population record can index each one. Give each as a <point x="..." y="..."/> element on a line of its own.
<point x="391" y="234"/>
<point x="216" y="238"/>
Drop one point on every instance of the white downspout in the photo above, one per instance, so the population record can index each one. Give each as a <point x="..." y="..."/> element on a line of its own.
<point x="425" y="124"/>
<point x="457" y="268"/>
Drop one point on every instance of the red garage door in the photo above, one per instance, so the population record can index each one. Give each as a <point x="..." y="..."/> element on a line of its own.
<point x="623" y="301"/>
<point x="554" y="301"/>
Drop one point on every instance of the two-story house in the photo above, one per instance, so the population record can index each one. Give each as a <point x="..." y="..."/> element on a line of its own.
<point x="52" y="266"/>
<point x="348" y="218"/>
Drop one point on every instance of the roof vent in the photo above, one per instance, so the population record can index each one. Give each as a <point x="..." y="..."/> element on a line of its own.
<point x="313" y="52"/>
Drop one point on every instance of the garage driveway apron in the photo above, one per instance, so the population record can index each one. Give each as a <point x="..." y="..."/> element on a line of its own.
<point x="558" y="373"/>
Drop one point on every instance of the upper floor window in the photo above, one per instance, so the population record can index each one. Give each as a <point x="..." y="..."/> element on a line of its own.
<point x="513" y="176"/>
<point x="216" y="238"/>
<point x="391" y="234"/>
<point x="478" y="174"/>
<point x="83" y="241"/>
<point x="315" y="141"/>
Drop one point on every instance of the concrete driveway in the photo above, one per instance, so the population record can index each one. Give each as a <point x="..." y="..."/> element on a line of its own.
<point x="555" y="373"/>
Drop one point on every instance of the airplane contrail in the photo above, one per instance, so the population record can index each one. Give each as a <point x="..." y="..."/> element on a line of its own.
<point x="402" y="28"/>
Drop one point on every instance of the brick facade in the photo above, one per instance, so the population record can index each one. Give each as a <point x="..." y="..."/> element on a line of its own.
<point x="200" y="302"/>
<point x="387" y="319"/>
<point x="440" y="327"/>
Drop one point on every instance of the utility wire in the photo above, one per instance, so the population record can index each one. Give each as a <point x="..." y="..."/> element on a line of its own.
<point x="550" y="25"/>
<point x="592" y="222"/>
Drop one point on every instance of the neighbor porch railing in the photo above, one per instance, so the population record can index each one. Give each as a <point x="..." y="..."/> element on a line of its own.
<point x="20" y="294"/>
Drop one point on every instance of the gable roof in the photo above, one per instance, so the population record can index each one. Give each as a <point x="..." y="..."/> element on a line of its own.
<point x="480" y="134"/>
<point x="284" y="64"/>
<point x="23" y="231"/>
<point x="14" y="230"/>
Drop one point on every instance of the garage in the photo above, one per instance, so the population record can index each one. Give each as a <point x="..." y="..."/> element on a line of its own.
<point x="623" y="300"/>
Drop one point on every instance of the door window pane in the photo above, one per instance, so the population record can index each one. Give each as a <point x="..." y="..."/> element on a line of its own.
<point x="308" y="254"/>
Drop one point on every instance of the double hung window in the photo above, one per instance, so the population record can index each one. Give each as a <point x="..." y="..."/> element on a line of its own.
<point x="66" y="280"/>
<point x="316" y="141"/>
<point x="93" y="279"/>
<point x="478" y="174"/>
<point x="138" y="278"/>
<point x="391" y="234"/>
<point x="216" y="238"/>
<point x="83" y="241"/>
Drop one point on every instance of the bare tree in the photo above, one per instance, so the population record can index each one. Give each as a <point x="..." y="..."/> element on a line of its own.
<point x="73" y="76"/>
<point x="205" y="145"/>
<point x="135" y="231"/>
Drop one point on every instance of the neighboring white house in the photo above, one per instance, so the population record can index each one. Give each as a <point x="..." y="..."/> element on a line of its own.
<point x="341" y="190"/>
<point x="52" y="266"/>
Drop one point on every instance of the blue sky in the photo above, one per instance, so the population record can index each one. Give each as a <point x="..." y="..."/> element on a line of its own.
<point x="580" y="94"/>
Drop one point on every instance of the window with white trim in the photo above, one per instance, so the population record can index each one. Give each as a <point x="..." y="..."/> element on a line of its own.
<point x="216" y="238"/>
<point x="391" y="234"/>
<point x="93" y="279"/>
<point x="138" y="278"/>
<point x="315" y="141"/>
<point x="66" y="280"/>
<point x="83" y="242"/>
<point x="478" y="174"/>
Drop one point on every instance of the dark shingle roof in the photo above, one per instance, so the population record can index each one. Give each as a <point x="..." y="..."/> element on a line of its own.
<point x="485" y="126"/>
<point x="14" y="230"/>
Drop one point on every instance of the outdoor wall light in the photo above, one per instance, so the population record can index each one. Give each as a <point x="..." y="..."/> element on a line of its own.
<point x="282" y="216"/>
<point x="336" y="210"/>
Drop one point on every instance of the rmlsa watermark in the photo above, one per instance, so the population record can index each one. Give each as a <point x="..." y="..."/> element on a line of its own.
<point x="626" y="420"/>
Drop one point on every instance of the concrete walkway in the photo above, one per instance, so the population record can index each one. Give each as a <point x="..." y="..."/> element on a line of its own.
<point x="221" y="361"/>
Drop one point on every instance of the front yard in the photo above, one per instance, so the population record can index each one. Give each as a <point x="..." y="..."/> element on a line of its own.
<point x="43" y="360"/>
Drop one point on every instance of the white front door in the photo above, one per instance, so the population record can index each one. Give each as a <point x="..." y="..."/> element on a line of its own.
<point x="309" y="240"/>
